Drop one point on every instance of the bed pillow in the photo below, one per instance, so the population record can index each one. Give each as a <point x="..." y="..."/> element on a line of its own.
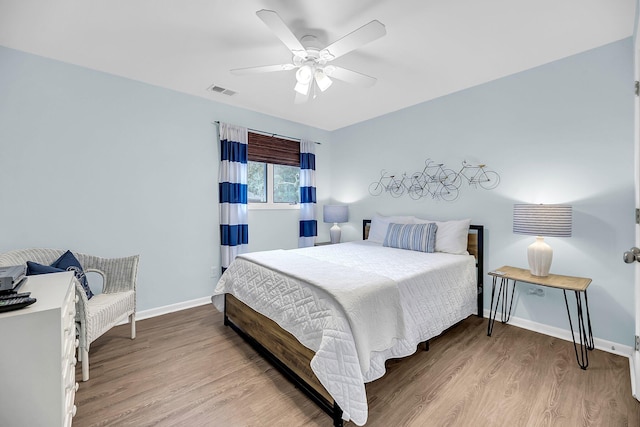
<point x="68" y="262"/>
<point x="380" y="223"/>
<point x="452" y="236"/>
<point x="414" y="237"/>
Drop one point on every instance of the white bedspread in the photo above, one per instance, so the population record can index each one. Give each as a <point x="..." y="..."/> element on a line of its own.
<point x="435" y="291"/>
<point x="369" y="301"/>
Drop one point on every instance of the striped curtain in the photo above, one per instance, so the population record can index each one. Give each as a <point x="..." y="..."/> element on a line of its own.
<point x="234" y="231"/>
<point x="308" y="223"/>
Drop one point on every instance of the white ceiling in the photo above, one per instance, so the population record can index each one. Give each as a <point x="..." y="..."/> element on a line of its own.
<point x="432" y="47"/>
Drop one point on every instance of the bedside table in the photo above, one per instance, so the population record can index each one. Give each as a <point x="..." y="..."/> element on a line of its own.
<point x="578" y="285"/>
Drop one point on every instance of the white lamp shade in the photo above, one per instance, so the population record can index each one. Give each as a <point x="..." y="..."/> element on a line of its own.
<point x="303" y="79"/>
<point x="322" y="80"/>
<point x="541" y="220"/>
<point x="302" y="88"/>
<point x="304" y="74"/>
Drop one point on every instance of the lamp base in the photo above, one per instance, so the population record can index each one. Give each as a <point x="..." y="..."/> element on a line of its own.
<point x="540" y="255"/>
<point x="334" y="233"/>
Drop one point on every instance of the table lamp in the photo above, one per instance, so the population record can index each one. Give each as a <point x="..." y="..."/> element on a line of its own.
<point x="335" y="214"/>
<point x="541" y="220"/>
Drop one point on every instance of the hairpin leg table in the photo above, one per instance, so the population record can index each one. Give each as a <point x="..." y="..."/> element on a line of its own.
<point x="578" y="285"/>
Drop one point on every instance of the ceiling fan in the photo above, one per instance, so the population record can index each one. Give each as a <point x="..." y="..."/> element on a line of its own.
<point x="312" y="61"/>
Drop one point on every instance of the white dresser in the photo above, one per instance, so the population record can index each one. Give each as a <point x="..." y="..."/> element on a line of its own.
<point x="37" y="355"/>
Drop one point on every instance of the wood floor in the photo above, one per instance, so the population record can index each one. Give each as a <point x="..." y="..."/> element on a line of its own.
<point x="187" y="369"/>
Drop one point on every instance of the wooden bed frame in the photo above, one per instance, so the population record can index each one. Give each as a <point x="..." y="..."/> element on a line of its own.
<point x="292" y="358"/>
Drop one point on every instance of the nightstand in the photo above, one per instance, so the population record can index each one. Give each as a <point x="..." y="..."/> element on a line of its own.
<point x="578" y="285"/>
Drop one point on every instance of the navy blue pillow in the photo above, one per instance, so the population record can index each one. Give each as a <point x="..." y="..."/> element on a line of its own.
<point x="69" y="262"/>
<point x="33" y="269"/>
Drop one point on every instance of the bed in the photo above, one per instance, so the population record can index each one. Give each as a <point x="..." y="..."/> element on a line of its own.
<point x="329" y="317"/>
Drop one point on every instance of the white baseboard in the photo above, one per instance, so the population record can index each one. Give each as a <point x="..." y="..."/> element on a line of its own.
<point x="159" y="311"/>
<point x="600" y="344"/>
<point x="565" y="334"/>
<point x="172" y="308"/>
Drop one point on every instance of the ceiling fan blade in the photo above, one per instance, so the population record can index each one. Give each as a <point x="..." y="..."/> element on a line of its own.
<point x="262" y="69"/>
<point x="352" y="77"/>
<point x="280" y="29"/>
<point x="363" y="35"/>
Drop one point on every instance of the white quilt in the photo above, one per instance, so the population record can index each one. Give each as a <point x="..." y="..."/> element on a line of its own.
<point x="369" y="301"/>
<point x="435" y="291"/>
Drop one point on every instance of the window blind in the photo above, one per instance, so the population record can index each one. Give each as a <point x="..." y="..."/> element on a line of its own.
<point x="271" y="149"/>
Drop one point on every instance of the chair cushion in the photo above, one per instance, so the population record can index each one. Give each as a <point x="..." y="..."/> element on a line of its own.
<point x="105" y="311"/>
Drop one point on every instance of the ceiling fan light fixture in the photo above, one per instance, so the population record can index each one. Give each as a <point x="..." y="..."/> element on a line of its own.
<point x="322" y="80"/>
<point x="302" y="88"/>
<point x="304" y="75"/>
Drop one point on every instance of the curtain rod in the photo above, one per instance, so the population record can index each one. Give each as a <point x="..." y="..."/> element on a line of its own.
<point x="274" y="135"/>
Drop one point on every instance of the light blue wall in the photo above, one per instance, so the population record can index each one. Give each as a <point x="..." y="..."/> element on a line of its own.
<point x="111" y="167"/>
<point x="559" y="133"/>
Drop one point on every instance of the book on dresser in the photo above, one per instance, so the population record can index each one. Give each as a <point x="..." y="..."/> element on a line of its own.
<point x="38" y="355"/>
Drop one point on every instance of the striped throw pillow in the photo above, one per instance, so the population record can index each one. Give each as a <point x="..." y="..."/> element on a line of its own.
<point x="415" y="237"/>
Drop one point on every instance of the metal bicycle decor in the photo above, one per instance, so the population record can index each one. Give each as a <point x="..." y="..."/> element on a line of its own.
<point x="436" y="181"/>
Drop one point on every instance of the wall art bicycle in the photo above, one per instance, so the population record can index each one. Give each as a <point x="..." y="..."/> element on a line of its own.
<point x="435" y="181"/>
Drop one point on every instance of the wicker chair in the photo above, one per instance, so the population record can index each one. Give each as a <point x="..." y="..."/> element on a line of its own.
<point x="97" y="315"/>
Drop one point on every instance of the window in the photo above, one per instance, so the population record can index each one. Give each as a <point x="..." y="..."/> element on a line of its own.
<point x="257" y="182"/>
<point x="273" y="172"/>
<point x="273" y="184"/>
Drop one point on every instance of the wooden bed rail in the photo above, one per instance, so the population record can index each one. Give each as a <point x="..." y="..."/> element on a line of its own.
<point x="282" y="349"/>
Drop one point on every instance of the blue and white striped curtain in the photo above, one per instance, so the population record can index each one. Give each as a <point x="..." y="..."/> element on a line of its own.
<point x="308" y="223"/>
<point x="234" y="231"/>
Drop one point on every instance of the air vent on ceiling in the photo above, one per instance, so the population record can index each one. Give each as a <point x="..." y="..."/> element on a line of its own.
<point x="218" y="89"/>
